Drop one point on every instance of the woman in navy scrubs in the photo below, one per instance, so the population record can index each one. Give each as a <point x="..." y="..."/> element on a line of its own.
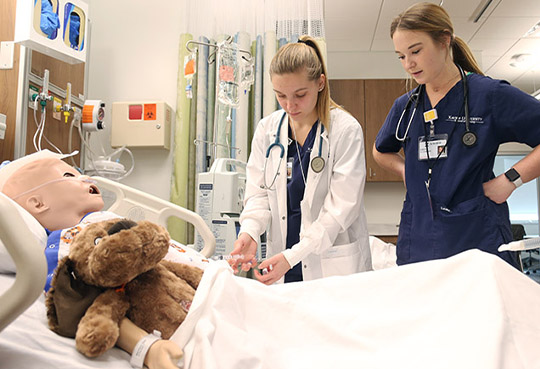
<point x="305" y="178"/>
<point x="450" y="128"/>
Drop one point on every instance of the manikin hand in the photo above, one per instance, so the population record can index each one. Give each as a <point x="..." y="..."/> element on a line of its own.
<point x="498" y="189"/>
<point x="246" y="246"/>
<point x="163" y="354"/>
<point x="276" y="266"/>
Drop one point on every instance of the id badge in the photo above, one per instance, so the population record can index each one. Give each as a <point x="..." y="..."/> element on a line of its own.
<point x="289" y="167"/>
<point x="436" y="147"/>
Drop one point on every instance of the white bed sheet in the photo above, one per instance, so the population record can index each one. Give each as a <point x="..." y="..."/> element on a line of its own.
<point x="469" y="311"/>
<point x="28" y="343"/>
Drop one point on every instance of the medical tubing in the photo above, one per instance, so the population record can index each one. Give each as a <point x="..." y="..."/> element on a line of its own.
<point x="76" y="117"/>
<point x="41" y="129"/>
<point x="80" y="178"/>
<point x="132" y="163"/>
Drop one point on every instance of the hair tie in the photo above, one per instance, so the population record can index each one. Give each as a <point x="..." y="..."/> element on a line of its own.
<point x="308" y="42"/>
<point x="313" y="46"/>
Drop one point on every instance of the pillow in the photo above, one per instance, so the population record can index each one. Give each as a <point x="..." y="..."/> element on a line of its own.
<point x="36" y="230"/>
<point x="383" y="254"/>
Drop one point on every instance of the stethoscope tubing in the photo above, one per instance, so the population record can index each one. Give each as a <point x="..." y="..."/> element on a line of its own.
<point x="278" y="144"/>
<point x="416" y="96"/>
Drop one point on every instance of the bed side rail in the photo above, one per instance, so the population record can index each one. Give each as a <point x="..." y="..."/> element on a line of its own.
<point x="139" y="205"/>
<point x="29" y="260"/>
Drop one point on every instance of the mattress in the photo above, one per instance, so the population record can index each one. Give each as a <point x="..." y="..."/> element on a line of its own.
<point x="28" y="343"/>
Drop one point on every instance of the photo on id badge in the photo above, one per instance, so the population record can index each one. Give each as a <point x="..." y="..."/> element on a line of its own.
<point x="289" y="167"/>
<point x="434" y="147"/>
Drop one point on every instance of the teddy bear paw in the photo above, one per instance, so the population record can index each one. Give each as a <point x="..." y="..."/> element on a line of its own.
<point x="94" y="341"/>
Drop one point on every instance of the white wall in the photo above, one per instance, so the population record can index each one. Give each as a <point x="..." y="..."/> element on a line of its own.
<point x="134" y="57"/>
<point x="364" y="65"/>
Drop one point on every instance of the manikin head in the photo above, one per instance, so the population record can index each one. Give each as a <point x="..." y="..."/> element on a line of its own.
<point x="53" y="192"/>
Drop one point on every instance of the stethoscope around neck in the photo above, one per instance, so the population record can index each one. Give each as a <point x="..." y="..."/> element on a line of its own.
<point x="468" y="138"/>
<point x="317" y="163"/>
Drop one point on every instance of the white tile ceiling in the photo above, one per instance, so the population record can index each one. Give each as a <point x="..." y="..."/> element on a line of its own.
<point x="363" y="26"/>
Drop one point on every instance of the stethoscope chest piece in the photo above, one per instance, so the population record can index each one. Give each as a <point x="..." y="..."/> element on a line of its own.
<point x="317" y="164"/>
<point x="469" y="138"/>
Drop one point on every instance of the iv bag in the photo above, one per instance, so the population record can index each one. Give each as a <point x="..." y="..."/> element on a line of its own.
<point x="228" y="74"/>
<point x="248" y="73"/>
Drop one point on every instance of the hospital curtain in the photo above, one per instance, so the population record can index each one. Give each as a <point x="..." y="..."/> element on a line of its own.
<point x="206" y="127"/>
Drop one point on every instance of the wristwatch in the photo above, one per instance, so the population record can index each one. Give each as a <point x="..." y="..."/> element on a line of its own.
<point x="514" y="177"/>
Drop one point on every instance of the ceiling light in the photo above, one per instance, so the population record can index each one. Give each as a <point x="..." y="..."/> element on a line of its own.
<point x="524" y="61"/>
<point x="534" y="29"/>
<point x="480" y="10"/>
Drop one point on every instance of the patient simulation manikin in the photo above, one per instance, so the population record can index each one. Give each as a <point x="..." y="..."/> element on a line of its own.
<point x="53" y="192"/>
<point x="59" y="197"/>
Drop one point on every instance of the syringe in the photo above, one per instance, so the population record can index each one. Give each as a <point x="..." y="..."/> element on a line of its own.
<point x="227" y="257"/>
<point x="240" y="256"/>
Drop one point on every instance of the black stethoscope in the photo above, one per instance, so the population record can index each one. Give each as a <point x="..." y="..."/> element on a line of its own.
<point x="468" y="138"/>
<point x="317" y="163"/>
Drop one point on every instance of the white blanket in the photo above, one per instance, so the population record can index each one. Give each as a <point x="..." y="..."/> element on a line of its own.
<point x="469" y="311"/>
<point x="29" y="343"/>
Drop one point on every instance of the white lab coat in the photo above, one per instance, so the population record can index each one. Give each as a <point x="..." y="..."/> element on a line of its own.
<point x="334" y="238"/>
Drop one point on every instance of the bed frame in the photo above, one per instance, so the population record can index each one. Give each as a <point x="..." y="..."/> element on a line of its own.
<point x="30" y="260"/>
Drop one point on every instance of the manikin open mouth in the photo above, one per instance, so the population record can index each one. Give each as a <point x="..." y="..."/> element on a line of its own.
<point x="94" y="190"/>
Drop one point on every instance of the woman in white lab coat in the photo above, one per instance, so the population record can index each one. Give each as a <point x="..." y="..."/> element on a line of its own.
<point x="305" y="178"/>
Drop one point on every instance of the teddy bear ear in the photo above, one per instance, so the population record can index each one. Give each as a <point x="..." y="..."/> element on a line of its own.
<point x="121" y="225"/>
<point x="68" y="299"/>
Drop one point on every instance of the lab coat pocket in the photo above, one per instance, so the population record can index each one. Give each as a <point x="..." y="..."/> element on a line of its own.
<point x="341" y="260"/>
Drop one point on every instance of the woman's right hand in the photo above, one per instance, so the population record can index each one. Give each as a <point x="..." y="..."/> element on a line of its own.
<point x="247" y="248"/>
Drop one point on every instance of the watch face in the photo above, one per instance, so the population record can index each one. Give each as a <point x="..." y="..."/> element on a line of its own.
<point x="512" y="175"/>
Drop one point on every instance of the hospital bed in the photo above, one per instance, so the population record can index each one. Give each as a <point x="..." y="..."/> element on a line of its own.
<point x="472" y="310"/>
<point x="25" y="339"/>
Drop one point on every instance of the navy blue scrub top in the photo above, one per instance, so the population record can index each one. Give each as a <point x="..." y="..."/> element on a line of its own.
<point x="460" y="217"/>
<point x="295" y="194"/>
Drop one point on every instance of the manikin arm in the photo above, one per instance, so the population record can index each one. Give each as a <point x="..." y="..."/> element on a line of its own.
<point x="163" y="354"/>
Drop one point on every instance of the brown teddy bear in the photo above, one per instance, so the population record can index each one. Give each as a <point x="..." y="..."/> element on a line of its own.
<point x="114" y="270"/>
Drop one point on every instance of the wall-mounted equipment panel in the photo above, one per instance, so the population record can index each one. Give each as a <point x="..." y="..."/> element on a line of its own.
<point x="58" y="28"/>
<point x="141" y="124"/>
